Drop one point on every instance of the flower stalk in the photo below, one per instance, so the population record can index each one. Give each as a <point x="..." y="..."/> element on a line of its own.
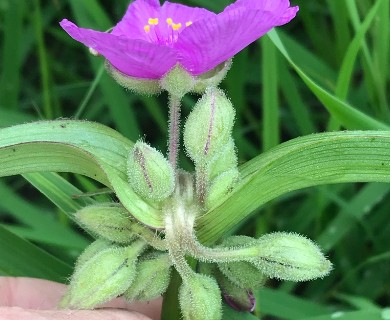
<point x="174" y="130"/>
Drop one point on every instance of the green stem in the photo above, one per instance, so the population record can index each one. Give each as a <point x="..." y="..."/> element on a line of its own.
<point x="219" y="255"/>
<point x="175" y="228"/>
<point x="174" y="130"/>
<point x="150" y="237"/>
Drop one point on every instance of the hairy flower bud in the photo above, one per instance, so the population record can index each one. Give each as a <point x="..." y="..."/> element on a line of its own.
<point x="242" y="273"/>
<point x="240" y="299"/>
<point x="221" y="186"/>
<point x="177" y="81"/>
<point x="209" y="126"/>
<point x="149" y="173"/>
<point x="92" y="250"/>
<point x="137" y="85"/>
<point x="103" y="277"/>
<point x="200" y="298"/>
<point x="108" y="221"/>
<point x="152" y="280"/>
<point x="223" y="161"/>
<point x="289" y="256"/>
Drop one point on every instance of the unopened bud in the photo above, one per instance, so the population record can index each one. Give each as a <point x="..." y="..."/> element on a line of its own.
<point x="149" y="173"/>
<point x="137" y="85"/>
<point x="92" y="250"/>
<point x="105" y="276"/>
<point x="200" y="298"/>
<point x="209" y="126"/>
<point x="152" y="280"/>
<point x="108" y="221"/>
<point x="289" y="256"/>
<point x="223" y="161"/>
<point x="177" y="81"/>
<point x="240" y="299"/>
<point x="242" y="273"/>
<point x="221" y="186"/>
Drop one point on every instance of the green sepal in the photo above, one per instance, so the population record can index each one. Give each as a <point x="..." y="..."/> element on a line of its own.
<point x="177" y="81"/>
<point x="212" y="78"/>
<point x="137" y="85"/>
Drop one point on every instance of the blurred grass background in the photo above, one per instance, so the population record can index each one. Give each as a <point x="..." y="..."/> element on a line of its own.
<point x="343" y="46"/>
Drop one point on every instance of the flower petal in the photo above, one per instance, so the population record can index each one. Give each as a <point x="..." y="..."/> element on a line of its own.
<point x="182" y="14"/>
<point x="136" y="18"/>
<point x="133" y="57"/>
<point x="278" y="7"/>
<point x="210" y="42"/>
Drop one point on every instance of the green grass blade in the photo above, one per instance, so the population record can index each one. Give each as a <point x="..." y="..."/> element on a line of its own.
<point x="341" y="111"/>
<point x="20" y="258"/>
<point x="286" y="306"/>
<point x="270" y="95"/>
<point x="39" y="222"/>
<point x="11" y="56"/>
<point x="48" y="111"/>
<point x="300" y="111"/>
<point x="59" y="191"/>
<point x="346" y="70"/>
<point x="353" y="315"/>
<point x="352" y="213"/>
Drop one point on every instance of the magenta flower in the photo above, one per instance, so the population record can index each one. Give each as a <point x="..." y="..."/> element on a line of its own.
<point x="151" y="39"/>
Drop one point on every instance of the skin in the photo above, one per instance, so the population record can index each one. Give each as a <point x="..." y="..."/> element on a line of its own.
<point x="35" y="299"/>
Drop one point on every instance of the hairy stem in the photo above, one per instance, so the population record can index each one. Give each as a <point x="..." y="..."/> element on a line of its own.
<point x="150" y="237"/>
<point x="219" y="255"/>
<point x="175" y="228"/>
<point x="174" y="130"/>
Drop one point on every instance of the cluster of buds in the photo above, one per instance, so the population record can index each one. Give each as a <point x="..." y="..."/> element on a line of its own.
<point x="130" y="260"/>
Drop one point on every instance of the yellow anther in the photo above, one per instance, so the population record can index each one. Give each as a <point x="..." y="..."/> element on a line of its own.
<point x="153" y="21"/>
<point x="188" y="23"/>
<point x="176" y="26"/>
<point x="147" y="28"/>
<point x="169" y="21"/>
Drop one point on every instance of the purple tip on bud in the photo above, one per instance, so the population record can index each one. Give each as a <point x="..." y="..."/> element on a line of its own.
<point x="239" y="304"/>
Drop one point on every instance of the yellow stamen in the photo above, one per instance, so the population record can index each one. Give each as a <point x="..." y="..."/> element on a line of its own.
<point x="153" y="21"/>
<point x="188" y="23"/>
<point x="169" y="21"/>
<point x="176" y="26"/>
<point x="147" y="28"/>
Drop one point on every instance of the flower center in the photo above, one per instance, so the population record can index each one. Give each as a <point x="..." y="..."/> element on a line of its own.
<point x="164" y="33"/>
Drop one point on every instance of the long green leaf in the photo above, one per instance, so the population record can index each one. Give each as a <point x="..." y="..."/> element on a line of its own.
<point x="336" y="157"/>
<point x="81" y="147"/>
